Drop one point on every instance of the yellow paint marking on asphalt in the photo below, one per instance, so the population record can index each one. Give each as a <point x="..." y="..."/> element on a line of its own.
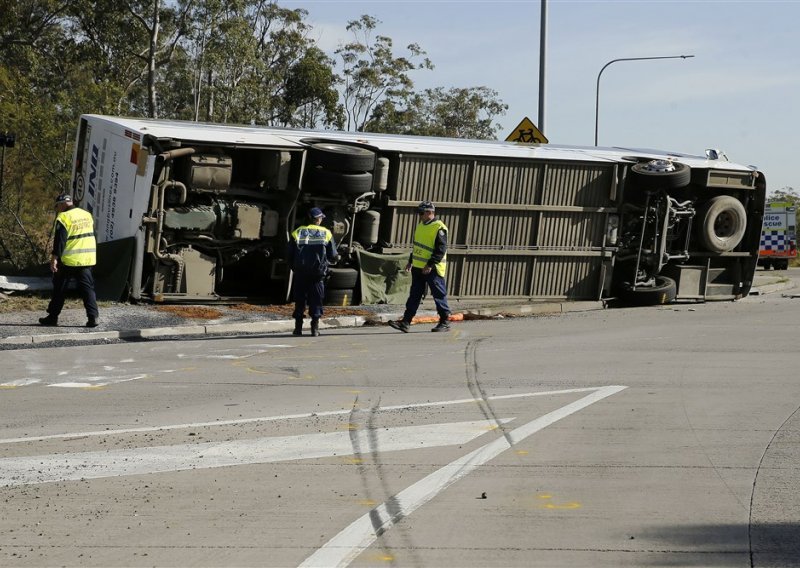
<point x="572" y="505"/>
<point x="354" y="460"/>
<point x="367" y="502"/>
<point x="354" y="392"/>
<point x="522" y="452"/>
<point x="544" y="496"/>
<point x="352" y="426"/>
<point x="8" y="386"/>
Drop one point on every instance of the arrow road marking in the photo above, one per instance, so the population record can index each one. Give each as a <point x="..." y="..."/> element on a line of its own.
<point x="343" y="548"/>
<point x="93" y="465"/>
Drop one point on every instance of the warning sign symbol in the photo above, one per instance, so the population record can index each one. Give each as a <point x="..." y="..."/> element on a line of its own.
<point x="527" y="133"/>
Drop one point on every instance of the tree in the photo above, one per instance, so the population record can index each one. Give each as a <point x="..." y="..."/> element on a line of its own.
<point x="128" y="42"/>
<point x="452" y="113"/>
<point x="24" y="22"/>
<point x="310" y="97"/>
<point x="372" y="73"/>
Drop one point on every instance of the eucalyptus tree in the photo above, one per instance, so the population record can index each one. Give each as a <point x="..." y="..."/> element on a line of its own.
<point x="455" y="113"/>
<point x="129" y="42"/>
<point x="372" y="72"/>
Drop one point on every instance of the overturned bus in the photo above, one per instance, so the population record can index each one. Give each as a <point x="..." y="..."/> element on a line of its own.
<point x="203" y="212"/>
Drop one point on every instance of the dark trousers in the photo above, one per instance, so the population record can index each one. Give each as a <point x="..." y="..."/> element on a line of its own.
<point x="310" y="290"/>
<point x="83" y="277"/>
<point x="438" y="288"/>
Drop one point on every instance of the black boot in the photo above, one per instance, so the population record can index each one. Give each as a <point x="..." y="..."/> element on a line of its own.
<point x="401" y="325"/>
<point x="50" y="320"/>
<point x="443" y="325"/>
<point x="298" y="326"/>
<point x="315" y="326"/>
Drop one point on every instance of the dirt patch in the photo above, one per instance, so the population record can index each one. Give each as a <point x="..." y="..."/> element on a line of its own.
<point x="192" y="312"/>
<point x="28" y="303"/>
<point x="288" y="309"/>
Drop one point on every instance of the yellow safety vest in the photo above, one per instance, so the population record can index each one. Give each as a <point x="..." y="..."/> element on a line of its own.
<point x="424" y="241"/>
<point x="81" y="246"/>
<point x="312" y="235"/>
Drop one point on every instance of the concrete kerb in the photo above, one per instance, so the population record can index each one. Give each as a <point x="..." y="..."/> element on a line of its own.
<point x="274" y="326"/>
<point x="277" y="326"/>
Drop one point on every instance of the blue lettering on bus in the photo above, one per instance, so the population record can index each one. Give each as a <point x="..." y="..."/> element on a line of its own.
<point x="92" y="177"/>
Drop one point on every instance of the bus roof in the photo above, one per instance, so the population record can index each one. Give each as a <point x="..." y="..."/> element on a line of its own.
<point x="211" y="133"/>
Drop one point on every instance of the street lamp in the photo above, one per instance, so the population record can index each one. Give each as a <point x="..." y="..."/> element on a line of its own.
<point x="597" y="91"/>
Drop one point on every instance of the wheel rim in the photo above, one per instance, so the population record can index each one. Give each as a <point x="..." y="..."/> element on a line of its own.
<point x="725" y="224"/>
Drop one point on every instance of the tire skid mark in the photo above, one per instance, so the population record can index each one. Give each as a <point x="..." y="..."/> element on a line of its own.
<point x="387" y="497"/>
<point x="476" y="390"/>
<point x="755" y="482"/>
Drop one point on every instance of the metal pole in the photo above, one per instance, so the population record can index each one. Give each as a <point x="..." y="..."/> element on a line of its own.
<point x="542" y="64"/>
<point x="597" y="90"/>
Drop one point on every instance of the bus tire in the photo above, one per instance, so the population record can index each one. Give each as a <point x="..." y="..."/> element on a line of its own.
<point x="663" y="292"/>
<point x="342" y="297"/>
<point x="327" y="181"/>
<point x="724" y="221"/>
<point x="341" y="158"/>
<point x="342" y="278"/>
<point x="766" y="264"/>
<point x="674" y="176"/>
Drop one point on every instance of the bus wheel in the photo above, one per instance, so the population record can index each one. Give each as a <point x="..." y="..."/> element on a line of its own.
<point x="342" y="297"/>
<point x="660" y="174"/>
<point x="341" y="182"/>
<point x="766" y="264"/>
<point x="341" y="158"/>
<point x="724" y="223"/>
<point x="340" y="278"/>
<point x="663" y="291"/>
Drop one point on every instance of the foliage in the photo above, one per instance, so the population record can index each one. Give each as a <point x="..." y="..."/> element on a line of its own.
<point x="455" y="113"/>
<point x="372" y="73"/>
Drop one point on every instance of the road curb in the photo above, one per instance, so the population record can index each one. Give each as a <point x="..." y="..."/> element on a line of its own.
<point x="278" y="326"/>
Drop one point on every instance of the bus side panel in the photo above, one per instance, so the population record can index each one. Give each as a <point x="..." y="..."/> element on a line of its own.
<point x="518" y="228"/>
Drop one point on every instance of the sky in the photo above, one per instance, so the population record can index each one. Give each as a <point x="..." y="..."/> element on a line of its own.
<point x="739" y="93"/>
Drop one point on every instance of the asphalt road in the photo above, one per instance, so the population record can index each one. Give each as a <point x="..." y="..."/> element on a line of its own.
<point x="630" y="437"/>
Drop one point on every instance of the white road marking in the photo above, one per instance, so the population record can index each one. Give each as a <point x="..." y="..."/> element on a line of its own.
<point x="247" y="354"/>
<point x="30" y="470"/>
<point x="20" y="383"/>
<point x="286" y="416"/>
<point x="343" y="548"/>
<point x="96" y="382"/>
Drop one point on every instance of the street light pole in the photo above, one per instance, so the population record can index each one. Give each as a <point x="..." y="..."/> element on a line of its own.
<point x="597" y="91"/>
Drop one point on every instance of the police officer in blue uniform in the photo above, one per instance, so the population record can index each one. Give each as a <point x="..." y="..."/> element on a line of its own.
<point x="310" y="251"/>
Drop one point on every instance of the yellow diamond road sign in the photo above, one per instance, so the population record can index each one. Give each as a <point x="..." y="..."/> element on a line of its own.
<point x="527" y="133"/>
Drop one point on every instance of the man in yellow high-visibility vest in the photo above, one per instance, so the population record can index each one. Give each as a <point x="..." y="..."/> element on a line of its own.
<point x="74" y="254"/>
<point x="428" y="266"/>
